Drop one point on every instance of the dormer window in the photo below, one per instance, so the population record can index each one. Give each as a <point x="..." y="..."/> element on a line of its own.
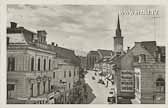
<point x="142" y="58"/>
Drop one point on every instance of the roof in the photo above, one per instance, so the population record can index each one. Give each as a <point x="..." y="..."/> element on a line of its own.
<point x="66" y="54"/>
<point x="162" y="50"/>
<point x="18" y="30"/>
<point x="93" y="53"/>
<point x="20" y="35"/>
<point x="105" y="53"/>
<point x="150" y="46"/>
<point x="116" y="59"/>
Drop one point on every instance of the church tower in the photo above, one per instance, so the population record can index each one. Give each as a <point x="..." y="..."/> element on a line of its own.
<point x="118" y="40"/>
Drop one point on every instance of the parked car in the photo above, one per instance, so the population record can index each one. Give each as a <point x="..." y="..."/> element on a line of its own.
<point x="111" y="98"/>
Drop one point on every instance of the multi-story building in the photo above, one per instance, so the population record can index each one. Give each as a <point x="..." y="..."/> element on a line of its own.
<point x="29" y="68"/>
<point x="92" y="57"/>
<point x="83" y="62"/>
<point x="39" y="72"/>
<point x="140" y="67"/>
<point x="65" y="74"/>
<point x="149" y="70"/>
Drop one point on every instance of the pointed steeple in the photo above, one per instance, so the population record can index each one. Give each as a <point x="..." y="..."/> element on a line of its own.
<point x="118" y="24"/>
<point x="118" y="30"/>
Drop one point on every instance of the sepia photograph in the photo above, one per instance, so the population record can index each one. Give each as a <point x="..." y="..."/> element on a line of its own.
<point x="85" y="54"/>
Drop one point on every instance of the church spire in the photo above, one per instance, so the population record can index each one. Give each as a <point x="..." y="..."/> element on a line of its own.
<point x="118" y="24"/>
<point x="118" y="30"/>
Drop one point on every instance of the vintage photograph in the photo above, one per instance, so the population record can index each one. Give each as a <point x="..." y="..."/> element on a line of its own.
<point x="85" y="54"/>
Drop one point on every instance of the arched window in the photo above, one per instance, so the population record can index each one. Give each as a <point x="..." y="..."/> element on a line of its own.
<point x="160" y="85"/>
<point x="49" y="67"/>
<point x="39" y="64"/>
<point x="44" y="64"/>
<point x="69" y="73"/>
<point x="32" y="64"/>
<point x="64" y="74"/>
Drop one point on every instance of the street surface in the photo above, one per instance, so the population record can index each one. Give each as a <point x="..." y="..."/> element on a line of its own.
<point x="99" y="90"/>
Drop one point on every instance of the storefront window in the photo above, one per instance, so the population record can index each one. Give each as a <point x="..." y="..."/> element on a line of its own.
<point x="160" y="85"/>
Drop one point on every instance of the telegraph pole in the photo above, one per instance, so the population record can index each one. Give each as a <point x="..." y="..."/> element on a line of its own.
<point x="155" y="24"/>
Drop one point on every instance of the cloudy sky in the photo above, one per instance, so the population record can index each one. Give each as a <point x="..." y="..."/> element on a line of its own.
<point x="91" y="27"/>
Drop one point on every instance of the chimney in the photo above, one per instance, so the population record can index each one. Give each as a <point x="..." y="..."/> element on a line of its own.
<point x="41" y="34"/>
<point x="56" y="45"/>
<point x="52" y="43"/>
<point x="13" y="25"/>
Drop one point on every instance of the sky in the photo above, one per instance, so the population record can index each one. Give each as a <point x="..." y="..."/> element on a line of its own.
<point x="91" y="27"/>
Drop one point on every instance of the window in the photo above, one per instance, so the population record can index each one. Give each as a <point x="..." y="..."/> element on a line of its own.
<point x="142" y="58"/>
<point x="53" y="74"/>
<point x="137" y="83"/>
<point x="162" y="59"/>
<point x="44" y="83"/>
<point x="10" y="87"/>
<point x="74" y="73"/>
<point x="31" y="90"/>
<point x="160" y="85"/>
<point x="49" y="64"/>
<point x="69" y="73"/>
<point x="64" y="74"/>
<point x="11" y="64"/>
<point x="44" y="64"/>
<point x="69" y="85"/>
<point x="38" y="89"/>
<point x="39" y="64"/>
<point x="10" y="90"/>
<point x="32" y="64"/>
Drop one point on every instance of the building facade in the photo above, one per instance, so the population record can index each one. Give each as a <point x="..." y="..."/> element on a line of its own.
<point x="29" y="66"/>
<point x="38" y="72"/>
<point x="150" y="78"/>
<point x="140" y="67"/>
<point x="92" y="57"/>
<point x="65" y="75"/>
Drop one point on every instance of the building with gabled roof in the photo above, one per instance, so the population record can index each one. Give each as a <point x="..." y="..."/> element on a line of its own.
<point x="92" y="58"/>
<point x="29" y="65"/>
<point x="143" y="54"/>
<point x="32" y="66"/>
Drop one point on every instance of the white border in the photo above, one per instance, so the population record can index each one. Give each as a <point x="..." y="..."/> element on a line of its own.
<point x="3" y="73"/>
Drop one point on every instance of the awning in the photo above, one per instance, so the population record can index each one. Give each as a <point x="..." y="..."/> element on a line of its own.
<point x="15" y="101"/>
<point x="38" y="98"/>
<point x="109" y="77"/>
